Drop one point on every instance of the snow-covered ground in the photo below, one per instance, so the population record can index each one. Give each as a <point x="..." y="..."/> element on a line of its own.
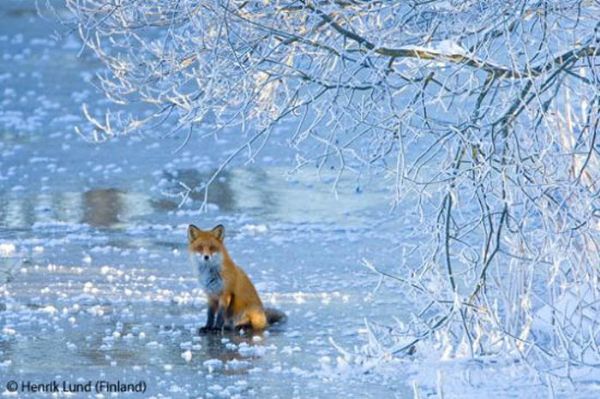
<point x="95" y="281"/>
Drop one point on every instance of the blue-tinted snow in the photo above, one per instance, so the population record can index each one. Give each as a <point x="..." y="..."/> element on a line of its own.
<point x="94" y="276"/>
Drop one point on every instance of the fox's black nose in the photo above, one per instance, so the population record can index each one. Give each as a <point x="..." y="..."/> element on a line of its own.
<point x="206" y="257"/>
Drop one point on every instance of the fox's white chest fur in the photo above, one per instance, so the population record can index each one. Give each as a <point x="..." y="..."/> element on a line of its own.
<point x="209" y="273"/>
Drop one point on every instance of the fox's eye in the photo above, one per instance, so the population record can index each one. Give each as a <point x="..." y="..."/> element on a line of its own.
<point x="212" y="249"/>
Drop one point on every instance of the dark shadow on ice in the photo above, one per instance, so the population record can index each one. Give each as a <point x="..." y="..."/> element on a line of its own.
<point x="102" y="207"/>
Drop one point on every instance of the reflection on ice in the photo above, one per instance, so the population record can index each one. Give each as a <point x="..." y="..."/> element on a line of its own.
<point x="264" y="192"/>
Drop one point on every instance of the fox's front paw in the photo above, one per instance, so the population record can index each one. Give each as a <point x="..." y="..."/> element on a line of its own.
<point x="206" y="330"/>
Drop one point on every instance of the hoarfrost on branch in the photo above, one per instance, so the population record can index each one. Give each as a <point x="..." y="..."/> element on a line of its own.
<point x="487" y="112"/>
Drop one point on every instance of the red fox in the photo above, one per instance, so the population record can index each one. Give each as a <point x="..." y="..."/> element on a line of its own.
<point x="233" y="302"/>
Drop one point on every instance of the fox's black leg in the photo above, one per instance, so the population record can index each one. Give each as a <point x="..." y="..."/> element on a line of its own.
<point x="220" y="320"/>
<point x="223" y="311"/>
<point x="223" y="321"/>
<point x="210" y="318"/>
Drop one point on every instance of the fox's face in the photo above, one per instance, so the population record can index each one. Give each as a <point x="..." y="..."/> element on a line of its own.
<point x="206" y="247"/>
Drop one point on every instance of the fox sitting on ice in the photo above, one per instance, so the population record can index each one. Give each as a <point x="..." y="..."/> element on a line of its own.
<point x="233" y="302"/>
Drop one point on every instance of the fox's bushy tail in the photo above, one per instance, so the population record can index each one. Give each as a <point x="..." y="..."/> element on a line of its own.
<point x="275" y="316"/>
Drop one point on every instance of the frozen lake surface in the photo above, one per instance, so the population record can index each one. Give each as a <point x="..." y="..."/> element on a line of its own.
<point x="95" y="279"/>
<point x="95" y="282"/>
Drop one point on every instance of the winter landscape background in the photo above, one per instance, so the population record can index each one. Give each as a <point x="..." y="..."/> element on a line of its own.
<point x="95" y="281"/>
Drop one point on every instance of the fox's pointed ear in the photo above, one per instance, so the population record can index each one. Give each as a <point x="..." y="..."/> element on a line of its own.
<point x="193" y="232"/>
<point x="218" y="232"/>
